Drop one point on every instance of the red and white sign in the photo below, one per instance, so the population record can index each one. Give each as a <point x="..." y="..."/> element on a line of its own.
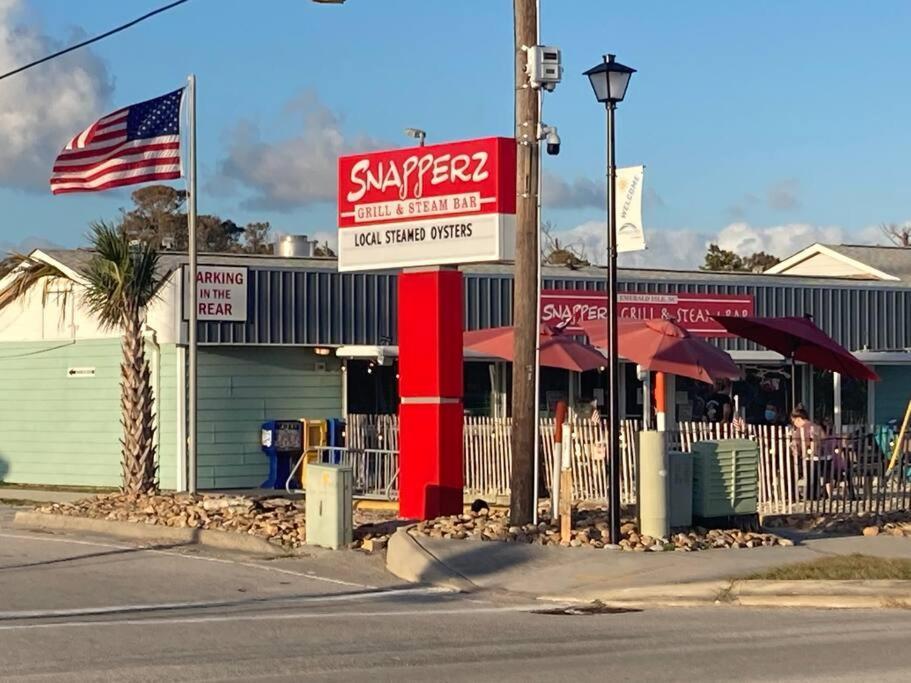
<point x="440" y="204"/>
<point x="693" y="312"/>
<point x="221" y="293"/>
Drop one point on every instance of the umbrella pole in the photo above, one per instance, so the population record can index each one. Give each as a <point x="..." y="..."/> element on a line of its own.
<point x="793" y="382"/>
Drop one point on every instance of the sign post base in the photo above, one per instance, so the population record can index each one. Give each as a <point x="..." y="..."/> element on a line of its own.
<point x="430" y="384"/>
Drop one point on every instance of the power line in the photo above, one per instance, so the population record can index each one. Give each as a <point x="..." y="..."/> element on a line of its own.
<point x="93" y="40"/>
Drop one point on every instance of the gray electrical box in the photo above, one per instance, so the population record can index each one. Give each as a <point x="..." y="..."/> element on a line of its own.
<point x="543" y="67"/>
<point x="329" y="505"/>
<point x="680" y="489"/>
<point x="653" y="491"/>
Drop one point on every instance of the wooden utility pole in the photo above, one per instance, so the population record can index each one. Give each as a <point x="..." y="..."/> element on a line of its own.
<point x="525" y="313"/>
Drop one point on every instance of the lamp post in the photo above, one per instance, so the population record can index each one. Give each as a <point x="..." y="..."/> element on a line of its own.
<point x="417" y="134"/>
<point x="609" y="80"/>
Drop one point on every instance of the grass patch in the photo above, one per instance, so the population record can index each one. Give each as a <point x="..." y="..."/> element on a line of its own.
<point x="840" y="568"/>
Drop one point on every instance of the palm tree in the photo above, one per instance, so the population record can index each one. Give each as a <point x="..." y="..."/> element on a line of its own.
<point x="120" y="281"/>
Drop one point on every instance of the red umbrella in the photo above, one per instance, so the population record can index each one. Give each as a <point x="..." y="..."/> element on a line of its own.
<point x="663" y="346"/>
<point x="557" y="349"/>
<point x="800" y="340"/>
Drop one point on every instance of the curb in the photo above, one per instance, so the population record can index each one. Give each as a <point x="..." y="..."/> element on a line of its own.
<point x="223" y="540"/>
<point x="783" y="594"/>
<point x="696" y="594"/>
<point x="411" y="561"/>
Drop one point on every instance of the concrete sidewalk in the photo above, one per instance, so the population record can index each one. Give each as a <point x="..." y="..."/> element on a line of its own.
<point x="586" y="575"/>
<point x="38" y="496"/>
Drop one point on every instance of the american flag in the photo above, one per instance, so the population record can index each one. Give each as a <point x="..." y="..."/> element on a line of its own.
<point x="132" y="145"/>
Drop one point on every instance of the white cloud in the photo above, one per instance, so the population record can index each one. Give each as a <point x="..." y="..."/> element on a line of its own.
<point x="557" y="193"/>
<point x="580" y="193"/>
<point x="685" y="248"/>
<point x="42" y="108"/>
<point x="25" y="245"/>
<point x="296" y="171"/>
<point x="784" y="195"/>
<point x="784" y="240"/>
<point x="681" y="249"/>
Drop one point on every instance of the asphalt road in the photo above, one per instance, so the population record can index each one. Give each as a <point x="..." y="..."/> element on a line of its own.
<point x="90" y="609"/>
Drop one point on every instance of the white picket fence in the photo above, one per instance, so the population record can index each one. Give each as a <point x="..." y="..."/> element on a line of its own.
<point x="487" y="455"/>
<point x="842" y="474"/>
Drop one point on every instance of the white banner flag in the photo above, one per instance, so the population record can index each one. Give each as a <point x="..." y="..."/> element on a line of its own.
<point x="630" y="235"/>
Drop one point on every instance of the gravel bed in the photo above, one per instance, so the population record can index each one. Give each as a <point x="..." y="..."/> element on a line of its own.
<point x="590" y="531"/>
<point x="278" y="520"/>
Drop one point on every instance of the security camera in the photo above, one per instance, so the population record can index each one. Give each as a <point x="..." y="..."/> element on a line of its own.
<point x="553" y="142"/>
<point x="551" y="137"/>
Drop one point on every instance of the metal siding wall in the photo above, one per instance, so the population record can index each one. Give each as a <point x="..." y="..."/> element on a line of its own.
<point x="318" y="307"/>
<point x="241" y="388"/>
<point x="55" y="429"/>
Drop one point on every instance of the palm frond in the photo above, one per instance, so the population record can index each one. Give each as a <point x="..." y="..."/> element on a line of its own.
<point x="25" y="272"/>
<point x="121" y="276"/>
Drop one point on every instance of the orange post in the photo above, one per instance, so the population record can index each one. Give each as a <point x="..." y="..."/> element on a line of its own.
<point x="556" y="465"/>
<point x="660" y="401"/>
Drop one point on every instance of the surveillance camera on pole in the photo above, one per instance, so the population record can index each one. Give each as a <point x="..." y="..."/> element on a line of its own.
<point x="551" y="137"/>
<point x="543" y="67"/>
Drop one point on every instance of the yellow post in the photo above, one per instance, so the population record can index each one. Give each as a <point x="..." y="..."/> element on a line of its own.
<point x="314" y="436"/>
<point x="901" y="437"/>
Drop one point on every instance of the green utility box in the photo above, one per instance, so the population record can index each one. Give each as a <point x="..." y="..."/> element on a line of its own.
<point x="680" y="489"/>
<point x="725" y="478"/>
<point x="329" y="506"/>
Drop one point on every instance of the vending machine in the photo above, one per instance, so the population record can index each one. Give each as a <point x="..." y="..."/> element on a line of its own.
<point x="282" y="442"/>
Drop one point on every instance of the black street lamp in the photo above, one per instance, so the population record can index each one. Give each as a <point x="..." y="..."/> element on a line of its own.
<point x="609" y="81"/>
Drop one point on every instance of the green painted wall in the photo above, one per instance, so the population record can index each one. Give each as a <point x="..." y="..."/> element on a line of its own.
<point x="167" y="422"/>
<point x="55" y="429"/>
<point x="891" y="393"/>
<point x="239" y="389"/>
<point x="59" y="430"/>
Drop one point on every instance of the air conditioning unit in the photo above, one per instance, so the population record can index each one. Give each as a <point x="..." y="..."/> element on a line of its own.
<point x="725" y="479"/>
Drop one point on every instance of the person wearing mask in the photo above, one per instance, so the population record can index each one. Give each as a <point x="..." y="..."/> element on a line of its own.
<point x="771" y="416"/>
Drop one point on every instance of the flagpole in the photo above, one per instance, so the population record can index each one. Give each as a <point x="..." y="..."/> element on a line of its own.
<point x="191" y="246"/>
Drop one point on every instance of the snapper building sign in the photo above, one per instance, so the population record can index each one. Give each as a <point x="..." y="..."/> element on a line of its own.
<point x="692" y="311"/>
<point x="441" y="204"/>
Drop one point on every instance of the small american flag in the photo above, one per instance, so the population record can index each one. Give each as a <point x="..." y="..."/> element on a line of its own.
<point x="132" y="145"/>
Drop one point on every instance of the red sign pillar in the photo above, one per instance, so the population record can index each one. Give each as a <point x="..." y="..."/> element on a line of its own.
<point x="430" y="387"/>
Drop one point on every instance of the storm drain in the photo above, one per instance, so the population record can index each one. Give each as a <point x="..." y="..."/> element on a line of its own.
<point x="586" y="610"/>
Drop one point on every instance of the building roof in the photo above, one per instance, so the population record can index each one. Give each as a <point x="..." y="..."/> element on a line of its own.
<point x="889" y="259"/>
<point x="77" y="259"/>
<point x="854" y="261"/>
<point x="169" y="261"/>
<point x="306" y="301"/>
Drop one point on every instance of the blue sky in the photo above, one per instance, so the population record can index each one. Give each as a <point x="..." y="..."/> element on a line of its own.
<point x="761" y="124"/>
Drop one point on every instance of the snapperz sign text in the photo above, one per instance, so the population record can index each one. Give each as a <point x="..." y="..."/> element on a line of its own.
<point x="440" y="204"/>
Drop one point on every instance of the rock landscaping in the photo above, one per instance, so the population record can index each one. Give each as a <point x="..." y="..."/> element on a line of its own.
<point x="278" y="520"/>
<point x="590" y="530"/>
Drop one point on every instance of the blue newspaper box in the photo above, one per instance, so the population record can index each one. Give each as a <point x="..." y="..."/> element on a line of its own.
<point x="335" y="436"/>
<point x="282" y="442"/>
